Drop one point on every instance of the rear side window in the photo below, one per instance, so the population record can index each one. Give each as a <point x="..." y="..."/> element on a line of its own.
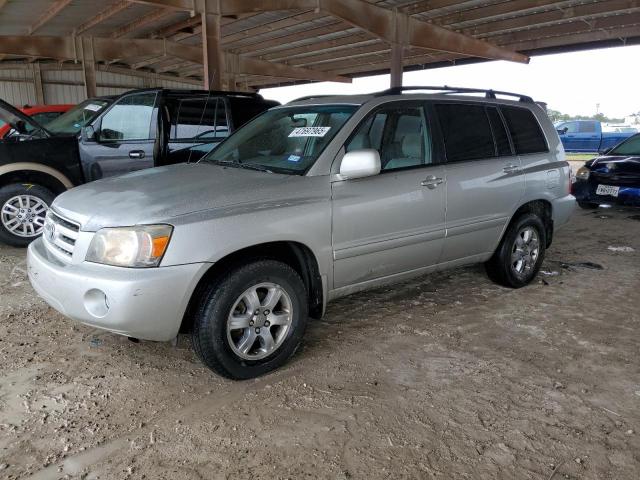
<point x="526" y="133"/>
<point x="499" y="132"/>
<point x="466" y="132"/>
<point x="200" y="119"/>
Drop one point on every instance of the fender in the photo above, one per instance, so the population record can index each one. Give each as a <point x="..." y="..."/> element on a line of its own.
<point x="36" y="167"/>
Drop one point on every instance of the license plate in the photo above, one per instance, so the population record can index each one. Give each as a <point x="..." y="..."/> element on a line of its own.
<point x="607" y="190"/>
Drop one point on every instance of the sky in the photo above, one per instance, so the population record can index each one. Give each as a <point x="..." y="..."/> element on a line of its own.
<point x="573" y="83"/>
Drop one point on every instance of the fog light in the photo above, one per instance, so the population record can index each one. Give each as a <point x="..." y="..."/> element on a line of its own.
<point x="96" y="303"/>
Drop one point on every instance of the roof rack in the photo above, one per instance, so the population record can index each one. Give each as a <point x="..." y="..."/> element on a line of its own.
<point x="311" y="97"/>
<point x="452" y="90"/>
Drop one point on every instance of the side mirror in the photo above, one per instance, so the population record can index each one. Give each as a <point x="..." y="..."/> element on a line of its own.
<point x="562" y="131"/>
<point x="360" y="163"/>
<point x="88" y="134"/>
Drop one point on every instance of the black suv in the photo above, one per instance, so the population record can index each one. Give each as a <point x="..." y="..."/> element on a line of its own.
<point x="105" y="137"/>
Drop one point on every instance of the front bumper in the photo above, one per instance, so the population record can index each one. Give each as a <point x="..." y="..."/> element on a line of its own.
<point x="585" y="191"/>
<point x="146" y="303"/>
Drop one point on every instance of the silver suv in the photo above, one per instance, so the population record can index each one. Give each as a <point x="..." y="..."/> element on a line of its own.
<point x="310" y="201"/>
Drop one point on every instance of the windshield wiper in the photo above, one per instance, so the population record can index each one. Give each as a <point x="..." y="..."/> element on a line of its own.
<point x="248" y="166"/>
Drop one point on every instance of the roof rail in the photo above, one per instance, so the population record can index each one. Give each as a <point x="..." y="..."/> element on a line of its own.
<point x="449" y="90"/>
<point x="311" y="97"/>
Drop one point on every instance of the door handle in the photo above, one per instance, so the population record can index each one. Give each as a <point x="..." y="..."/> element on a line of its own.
<point x="431" y="182"/>
<point x="511" y="168"/>
<point x="136" y="154"/>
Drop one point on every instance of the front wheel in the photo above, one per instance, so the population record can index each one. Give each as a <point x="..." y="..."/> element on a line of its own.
<point x="23" y="208"/>
<point x="252" y="320"/>
<point x="520" y="253"/>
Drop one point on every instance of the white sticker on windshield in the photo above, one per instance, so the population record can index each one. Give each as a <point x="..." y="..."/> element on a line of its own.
<point x="309" y="132"/>
<point x="93" y="107"/>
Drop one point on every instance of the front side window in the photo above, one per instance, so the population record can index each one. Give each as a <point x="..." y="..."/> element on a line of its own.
<point x="398" y="133"/>
<point x="466" y="132"/>
<point x="283" y="140"/>
<point x="129" y="119"/>
<point x="587" y="127"/>
<point x="81" y="115"/>
<point x="526" y="134"/>
<point x="630" y="146"/>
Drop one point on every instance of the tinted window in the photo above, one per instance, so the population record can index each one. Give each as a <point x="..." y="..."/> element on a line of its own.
<point x="525" y="131"/>
<point x="200" y="118"/>
<point x="129" y="119"/>
<point x="587" y="127"/>
<point x="499" y="132"/>
<point x="466" y="132"/>
<point x="399" y="134"/>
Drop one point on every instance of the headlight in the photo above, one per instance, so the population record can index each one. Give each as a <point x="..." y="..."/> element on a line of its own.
<point x="583" y="173"/>
<point x="139" y="246"/>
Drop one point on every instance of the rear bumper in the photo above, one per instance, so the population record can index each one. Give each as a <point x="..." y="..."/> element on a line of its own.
<point x="562" y="209"/>
<point x="585" y="191"/>
<point x="143" y="303"/>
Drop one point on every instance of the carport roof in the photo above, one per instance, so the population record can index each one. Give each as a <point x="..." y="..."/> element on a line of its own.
<point x="275" y="42"/>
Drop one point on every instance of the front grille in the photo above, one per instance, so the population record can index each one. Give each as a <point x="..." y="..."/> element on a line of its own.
<point x="60" y="234"/>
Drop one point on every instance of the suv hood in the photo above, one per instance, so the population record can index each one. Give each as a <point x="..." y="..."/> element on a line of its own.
<point x="158" y="195"/>
<point x="12" y="116"/>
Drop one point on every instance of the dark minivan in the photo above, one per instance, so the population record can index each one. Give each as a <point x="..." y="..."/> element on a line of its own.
<point x="138" y="130"/>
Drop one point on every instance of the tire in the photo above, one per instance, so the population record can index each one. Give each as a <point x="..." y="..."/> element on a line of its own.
<point x="587" y="205"/>
<point x="231" y="352"/>
<point x="518" y="273"/>
<point x="35" y="199"/>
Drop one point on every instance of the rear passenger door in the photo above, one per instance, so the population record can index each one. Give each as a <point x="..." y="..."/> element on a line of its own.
<point x="484" y="184"/>
<point x="391" y="223"/>
<point x="197" y="126"/>
<point x="541" y="170"/>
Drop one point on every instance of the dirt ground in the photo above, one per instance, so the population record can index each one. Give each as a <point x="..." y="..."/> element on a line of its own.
<point x="448" y="376"/>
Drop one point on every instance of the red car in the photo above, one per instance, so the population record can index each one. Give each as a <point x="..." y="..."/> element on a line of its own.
<point x="42" y="114"/>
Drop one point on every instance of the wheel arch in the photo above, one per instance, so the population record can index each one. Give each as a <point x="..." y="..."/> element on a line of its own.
<point x="295" y="254"/>
<point x="543" y="209"/>
<point x="27" y="173"/>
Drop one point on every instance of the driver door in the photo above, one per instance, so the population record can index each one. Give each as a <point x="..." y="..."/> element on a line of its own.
<point x="391" y="223"/>
<point x="125" y="137"/>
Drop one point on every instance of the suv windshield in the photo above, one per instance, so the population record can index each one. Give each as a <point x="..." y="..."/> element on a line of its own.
<point x="283" y="140"/>
<point x="79" y="116"/>
<point x="628" y="147"/>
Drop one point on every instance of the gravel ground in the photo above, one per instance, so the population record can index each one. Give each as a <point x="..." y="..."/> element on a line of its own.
<point x="448" y="376"/>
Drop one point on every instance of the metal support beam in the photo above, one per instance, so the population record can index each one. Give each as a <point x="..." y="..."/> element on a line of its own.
<point x="51" y="12"/>
<point x="37" y="83"/>
<point x="106" y="49"/>
<point x="397" y="52"/>
<point x="89" y="67"/>
<point x="141" y="22"/>
<point x="102" y="16"/>
<point x="212" y="55"/>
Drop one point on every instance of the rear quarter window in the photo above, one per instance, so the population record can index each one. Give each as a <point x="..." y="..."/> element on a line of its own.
<point x="525" y="131"/>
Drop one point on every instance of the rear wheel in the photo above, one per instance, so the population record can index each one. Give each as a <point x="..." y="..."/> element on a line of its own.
<point x="252" y="320"/>
<point x="588" y="205"/>
<point x="520" y="253"/>
<point x="23" y="208"/>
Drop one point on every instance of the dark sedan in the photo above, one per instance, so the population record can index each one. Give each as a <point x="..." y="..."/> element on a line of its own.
<point x="612" y="177"/>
